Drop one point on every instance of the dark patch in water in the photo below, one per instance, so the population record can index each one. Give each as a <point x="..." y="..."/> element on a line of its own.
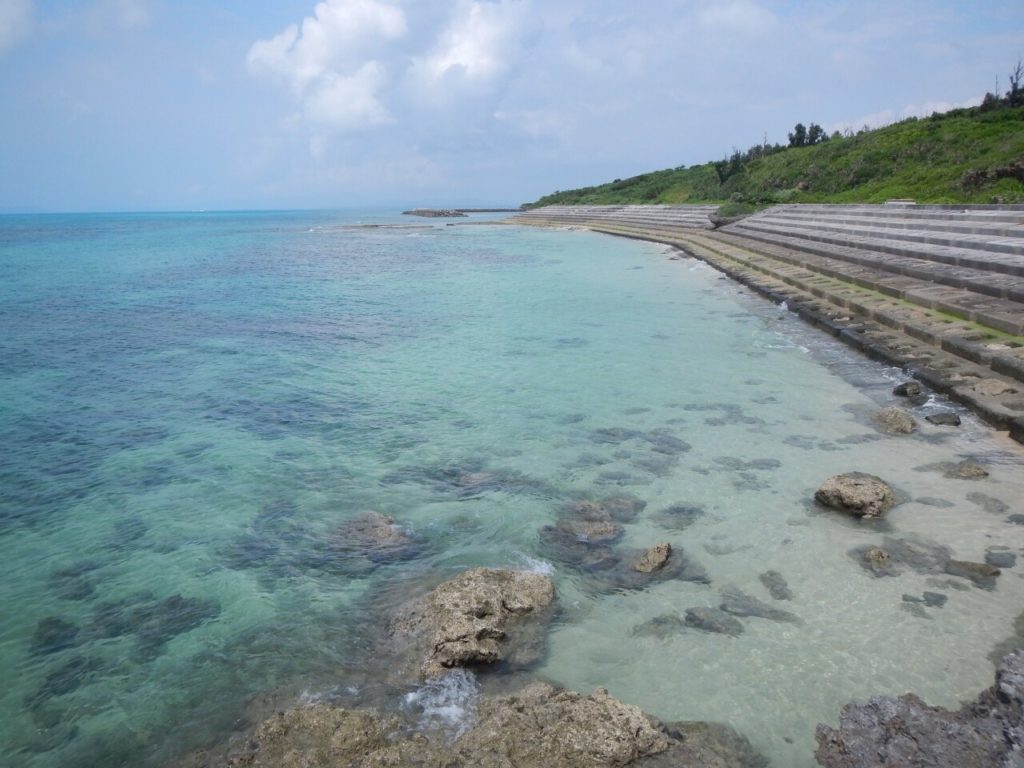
<point x="931" y="501"/>
<point x="467" y="480"/>
<point x="73" y="582"/>
<point x="636" y="411"/>
<point x="990" y="504"/>
<point x="127" y="533"/>
<point x="661" y="441"/>
<point x="735" y="463"/>
<point x="571" y="343"/>
<point x="65" y="679"/>
<point x="680" y="516"/>
<point x="572" y="418"/>
<point x="153" y="621"/>
<point x="658" y="465"/>
<point x="249" y="550"/>
<point x="661" y="627"/>
<point x="614" y="435"/>
<point x="53" y="634"/>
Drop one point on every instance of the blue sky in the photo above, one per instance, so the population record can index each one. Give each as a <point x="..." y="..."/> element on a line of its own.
<point x="180" y="104"/>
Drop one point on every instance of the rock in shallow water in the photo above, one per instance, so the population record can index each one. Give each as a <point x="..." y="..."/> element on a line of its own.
<point x="738" y="603"/>
<point x="480" y="617"/>
<point x="905" y="731"/>
<point x="653" y="559"/>
<point x="856" y="493"/>
<point x="713" y="620"/>
<point x="537" y="727"/>
<point x="776" y="585"/>
<point x="893" y="421"/>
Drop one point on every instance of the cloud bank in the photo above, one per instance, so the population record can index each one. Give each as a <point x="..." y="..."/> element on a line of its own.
<point x="16" y="22"/>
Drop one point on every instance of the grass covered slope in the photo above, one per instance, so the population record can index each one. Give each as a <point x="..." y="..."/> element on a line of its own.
<point x="963" y="156"/>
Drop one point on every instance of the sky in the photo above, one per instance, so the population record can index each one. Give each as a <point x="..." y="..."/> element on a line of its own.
<point x="125" y="105"/>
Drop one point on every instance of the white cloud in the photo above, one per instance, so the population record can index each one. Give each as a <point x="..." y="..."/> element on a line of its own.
<point x="348" y="102"/>
<point x="330" y="61"/>
<point x="15" y="22"/>
<point x="477" y="44"/>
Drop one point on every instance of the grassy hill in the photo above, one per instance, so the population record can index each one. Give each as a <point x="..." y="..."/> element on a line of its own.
<point x="964" y="156"/>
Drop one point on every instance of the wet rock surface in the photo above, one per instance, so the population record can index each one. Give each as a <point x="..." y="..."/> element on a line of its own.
<point x="966" y="470"/>
<point x="856" y="493"/>
<point x="944" y="419"/>
<point x="887" y="732"/>
<point x="482" y="616"/>
<point x="653" y="559"/>
<point x="537" y="726"/>
<point x="907" y="389"/>
<point x="893" y="421"/>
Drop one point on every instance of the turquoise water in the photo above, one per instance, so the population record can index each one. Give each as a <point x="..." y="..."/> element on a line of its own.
<point x="190" y="405"/>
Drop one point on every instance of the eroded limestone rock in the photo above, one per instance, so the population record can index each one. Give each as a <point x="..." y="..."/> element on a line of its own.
<point x="481" y="616"/>
<point x="857" y="494"/>
<point x="905" y="731"/>
<point x="653" y="559"/>
<point x="893" y="421"/>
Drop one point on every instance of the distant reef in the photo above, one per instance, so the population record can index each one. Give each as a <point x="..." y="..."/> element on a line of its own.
<point x="451" y="213"/>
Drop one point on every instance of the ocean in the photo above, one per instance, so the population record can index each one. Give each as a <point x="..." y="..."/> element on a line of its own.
<point x="191" y="404"/>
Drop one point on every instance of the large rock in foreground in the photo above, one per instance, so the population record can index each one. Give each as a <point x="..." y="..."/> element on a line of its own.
<point x="856" y="493"/>
<point x="892" y="732"/>
<point x="537" y="727"/>
<point x="480" y="617"/>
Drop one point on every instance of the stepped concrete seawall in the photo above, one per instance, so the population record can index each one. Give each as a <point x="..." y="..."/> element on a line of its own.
<point x="937" y="290"/>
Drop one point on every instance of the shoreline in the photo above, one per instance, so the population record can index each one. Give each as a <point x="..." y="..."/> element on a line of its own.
<point x="880" y="326"/>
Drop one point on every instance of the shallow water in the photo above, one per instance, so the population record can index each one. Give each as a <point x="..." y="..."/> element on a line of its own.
<point x="191" y="404"/>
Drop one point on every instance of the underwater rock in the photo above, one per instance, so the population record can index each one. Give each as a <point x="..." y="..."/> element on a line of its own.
<point x="928" y="599"/>
<point x="73" y="582"/>
<point x="374" y="536"/>
<point x="893" y="421"/>
<point x="907" y="389"/>
<point x="680" y="516"/>
<point x="1001" y="559"/>
<point x="982" y="574"/>
<point x="738" y="603"/>
<point x="662" y="627"/>
<point x="776" y="585"/>
<point x="157" y="623"/>
<point x="661" y="441"/>
<point x="713" y="620"/>
<point x="733" y="462"/>
<point x="65" y="679"/>
<point x="944" y="419"/>
<point x="914" y="609"/>
<point x="249" y="550"/>
<point x="966" y="470"/>
<point x="623" y="508"/>
<point x="127" y="532"/>
<point x="904" y="731"/>
<point x="875" y="560"/>
<point x="562" y="542"/>
<point x="614" y="435"/>
<point x="932" y="501"/>
<point x="653" y="559"/>
<point x="658" y="464"/>
<point x="480" y="617"/>
<point x="467" y="480"/>
<point x="990" y="504"/>
<point x="53" y="634"/>
<point x="625" y="574"/>
<point x="857" y="494"/>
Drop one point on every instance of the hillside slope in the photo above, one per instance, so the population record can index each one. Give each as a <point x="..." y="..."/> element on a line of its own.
<point x="963" y="156"/>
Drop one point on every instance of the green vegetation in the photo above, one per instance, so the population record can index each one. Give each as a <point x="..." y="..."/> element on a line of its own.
<point x="971" y="155"/>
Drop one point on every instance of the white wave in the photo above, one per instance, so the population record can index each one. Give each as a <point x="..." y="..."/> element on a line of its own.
<point x="535" y="565"/>
<point x="447" y="704"/>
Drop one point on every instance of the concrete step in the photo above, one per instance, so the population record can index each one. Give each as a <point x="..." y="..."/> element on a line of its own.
<point x="989" y="282"/>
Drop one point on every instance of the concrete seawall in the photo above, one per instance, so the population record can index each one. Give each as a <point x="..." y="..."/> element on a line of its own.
<point x="935" y="290"/>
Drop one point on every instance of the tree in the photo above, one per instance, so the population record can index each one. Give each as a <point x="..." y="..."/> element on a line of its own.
<point x="1015" y="96"/>
<point x="816" y="134"/>
<point x="798" y="137"/>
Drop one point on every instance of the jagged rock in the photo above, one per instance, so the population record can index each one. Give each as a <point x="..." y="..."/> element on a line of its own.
<point x="944" y="419"/>
<point x="738" y="603"/>
<point x="966" y="470"/>
<point x="893" y="421"/>
<point x="653" y="559"/>
<point x="537" y="726"/>
<point x="374" y="536"/>
<point x="708" y="745"/>
<point x="856" y="493"/>
<point x="887" y="732"/>
<point x="479" y="617"/>
<point x="907" y="389"/>
<point x="776" y="585"/>
<point x="993" y="388"/>
<point x="677" y="564"/>
<point x="713" y="620"/>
